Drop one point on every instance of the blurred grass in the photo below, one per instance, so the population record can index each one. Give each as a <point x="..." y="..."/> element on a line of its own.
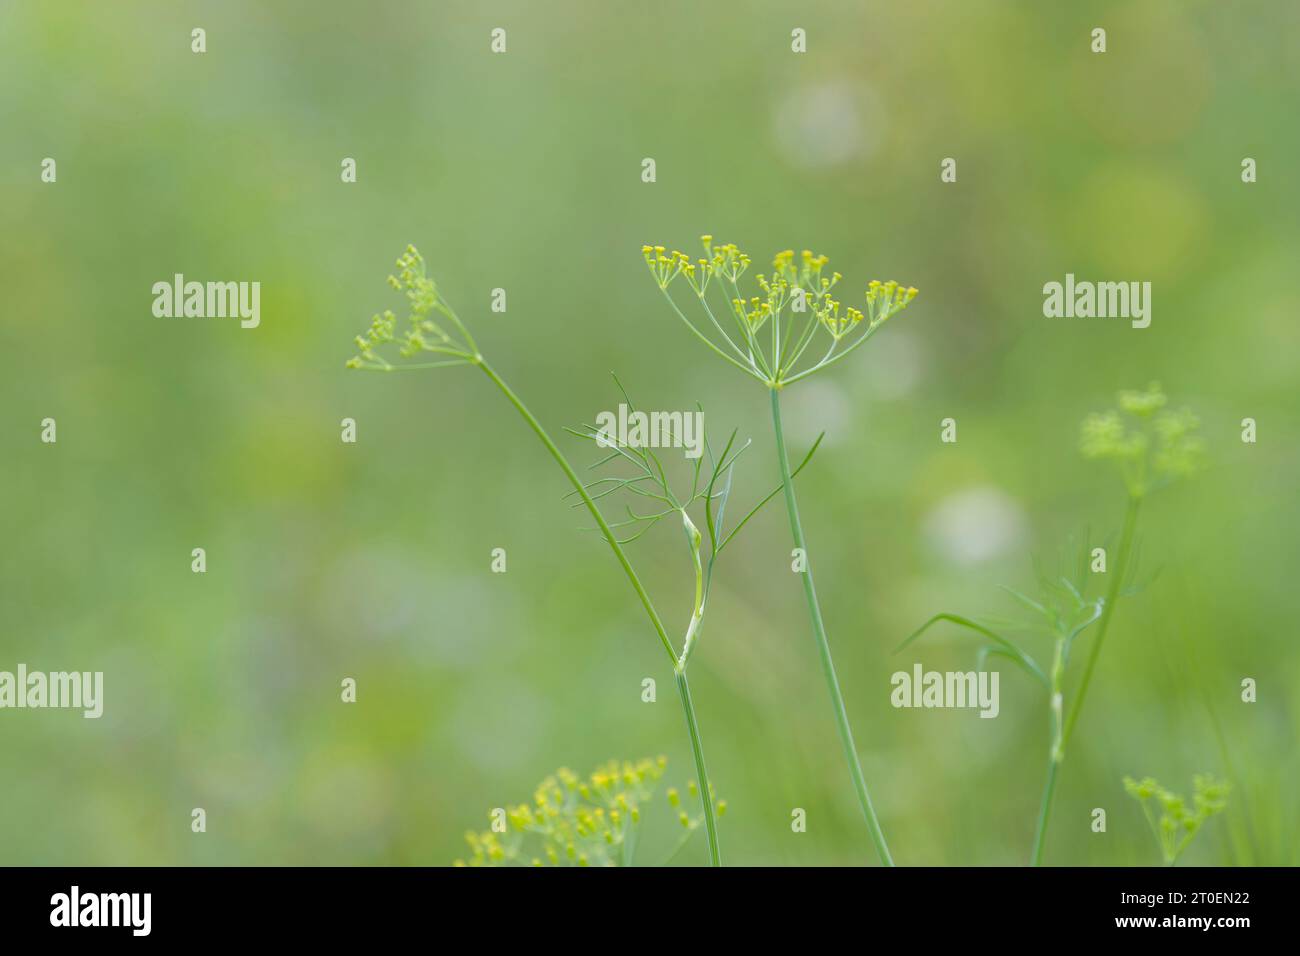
<point x="522" y="171"/>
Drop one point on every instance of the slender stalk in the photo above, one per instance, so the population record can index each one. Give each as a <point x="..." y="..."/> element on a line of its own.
<point x="1049" y="790"/>
<point x="581" y="489"/>
<point x="1057" y="755"/>
<point x="697" y="746"/>
<point x="1112" y="595"/>
<point x="823" y="646"/>
<point x="697" y="610"/>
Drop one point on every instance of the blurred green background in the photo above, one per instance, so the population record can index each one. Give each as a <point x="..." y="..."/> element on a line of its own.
<point x="522" y="171"/>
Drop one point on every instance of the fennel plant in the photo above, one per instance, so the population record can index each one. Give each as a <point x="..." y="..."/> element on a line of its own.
<point x="768" y="337"/>
<point x="1152" y="448"/>
<point x="434" y="328"/>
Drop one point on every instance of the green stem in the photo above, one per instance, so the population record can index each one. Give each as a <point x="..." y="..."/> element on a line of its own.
<point x="697" y="611"/>
<point x="697" y="748"/>
<point x="1119" y="570"/>
<point x="1112" y="596"/>
<point x="696" y="745"/>
<point x="1054" y="755"/>
<point x="823" y="646"/>
<point x="1049" y="790"/>
<point x="581" y="489"/>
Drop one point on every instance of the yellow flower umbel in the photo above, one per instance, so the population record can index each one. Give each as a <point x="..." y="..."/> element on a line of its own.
<point x="796" y="301"/>
<point x="574" y="821"/>
<point x="1178" y="822"/>
<point x="666" y="268"/>
<point x="431" y="326"/>
<point x="1152" y="446"/>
